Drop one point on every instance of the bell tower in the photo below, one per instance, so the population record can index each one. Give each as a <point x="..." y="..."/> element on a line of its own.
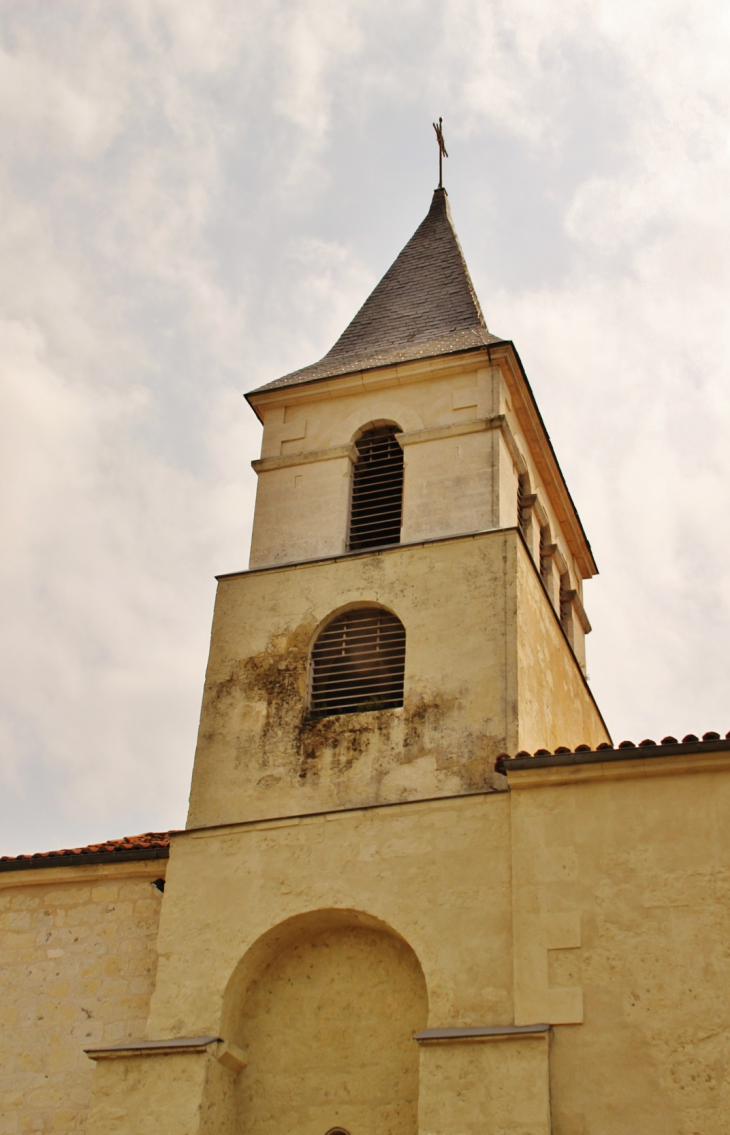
<point x="413" y="604"/>
<point x="350" y="938"/>
<point x="374" y="923"/>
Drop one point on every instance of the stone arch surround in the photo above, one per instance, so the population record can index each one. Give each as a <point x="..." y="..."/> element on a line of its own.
<point x="325" y="1006"/>
<point x="374" y="412"/>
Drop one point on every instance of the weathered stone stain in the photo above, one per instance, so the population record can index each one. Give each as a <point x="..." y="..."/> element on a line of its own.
<point x="275" y="681"/>
<point x="261" y="754"/>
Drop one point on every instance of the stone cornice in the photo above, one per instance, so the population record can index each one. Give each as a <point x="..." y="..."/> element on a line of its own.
<point x="362" y="381"/>
<point x="472" y="425"/>
<point x="572" y="596"/>
<point x="306" y="457"/>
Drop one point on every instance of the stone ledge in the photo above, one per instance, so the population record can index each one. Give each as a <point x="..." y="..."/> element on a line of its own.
<point x="481" y="1033"/>
<point x="438" y="433"/>
<point x="382" y="550"/>
<point x="267" y="823"/>
<point x="229" y="1055"/>
<point x="173" y="1046"/>
<point x="305" y="457"/>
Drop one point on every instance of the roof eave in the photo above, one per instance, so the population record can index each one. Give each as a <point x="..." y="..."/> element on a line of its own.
<point x="37" y="862"/>
<point x="262" y="393"/>
<point x="585" y="552"/>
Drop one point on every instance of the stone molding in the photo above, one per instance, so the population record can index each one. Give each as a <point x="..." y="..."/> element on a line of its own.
<point x="570" y="595"/>
<point x="553" y="550"/>
<point x="473" y="425"/>
<point x="534" y="504"/>
<point x="374" y="378"/>
<point x="229" y="1055"/>
<point x="473" y="1033"/>
<point x="332" y="815"/>
<point x="308" y="457"/>
<point x="385" y="550"/>
<point x="170" y="1047"/>
<point x="438" y="433"/>
<point x="407" y="437"/>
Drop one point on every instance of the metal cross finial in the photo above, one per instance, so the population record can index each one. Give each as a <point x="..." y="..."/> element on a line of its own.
<point x="442" y="150"/>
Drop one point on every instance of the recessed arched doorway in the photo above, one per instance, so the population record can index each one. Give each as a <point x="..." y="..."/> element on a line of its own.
<point x="326" y="1011"/>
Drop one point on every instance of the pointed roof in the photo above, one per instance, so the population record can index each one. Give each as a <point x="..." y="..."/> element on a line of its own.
<point x="425" y="305"/>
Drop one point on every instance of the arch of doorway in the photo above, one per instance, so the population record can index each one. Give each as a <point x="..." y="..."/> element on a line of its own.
<point x="325" y="1005"/>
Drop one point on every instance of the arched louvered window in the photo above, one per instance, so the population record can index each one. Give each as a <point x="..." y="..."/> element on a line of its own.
<point x="357" y="663"/>
<point x="377" y="489"/>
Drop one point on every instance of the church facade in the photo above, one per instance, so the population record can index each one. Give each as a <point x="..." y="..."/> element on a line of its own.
<point x="419" y="889"/>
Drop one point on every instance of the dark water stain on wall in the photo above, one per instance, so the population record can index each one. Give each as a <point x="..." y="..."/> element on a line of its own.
<point x="263" y="701"/>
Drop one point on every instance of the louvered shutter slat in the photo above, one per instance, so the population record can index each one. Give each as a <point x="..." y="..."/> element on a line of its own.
<point x="358" y="663"/>
<point x="377" y="490"/>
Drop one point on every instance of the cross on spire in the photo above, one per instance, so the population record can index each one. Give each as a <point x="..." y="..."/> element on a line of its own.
<point x="442" y="150"/>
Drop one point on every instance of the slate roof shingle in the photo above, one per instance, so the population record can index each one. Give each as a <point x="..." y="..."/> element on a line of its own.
<point x="424" y="306"/>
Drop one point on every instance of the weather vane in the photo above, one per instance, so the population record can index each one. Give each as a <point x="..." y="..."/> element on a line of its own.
<point x="442" y="150"/>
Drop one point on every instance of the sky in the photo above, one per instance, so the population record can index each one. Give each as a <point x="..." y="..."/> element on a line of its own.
<point x="197" y="195"/>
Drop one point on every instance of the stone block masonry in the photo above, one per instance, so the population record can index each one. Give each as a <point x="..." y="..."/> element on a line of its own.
<point x="78" y="967"/>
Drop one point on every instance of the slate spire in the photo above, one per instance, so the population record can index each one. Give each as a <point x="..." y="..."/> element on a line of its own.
<point x="425" y="305"/>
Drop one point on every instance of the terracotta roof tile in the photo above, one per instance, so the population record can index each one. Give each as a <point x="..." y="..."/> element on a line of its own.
<point x="711" y="742"/>
<point x="425" y="305"/>
<point x="134" y="846"/>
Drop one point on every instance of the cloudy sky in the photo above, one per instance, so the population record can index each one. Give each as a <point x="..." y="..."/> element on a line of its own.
<point x="197" y="195"/>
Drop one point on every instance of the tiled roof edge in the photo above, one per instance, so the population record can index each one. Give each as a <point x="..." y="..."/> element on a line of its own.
<point x="626" y="751"/>
<point x="117" y="851"/>
<point x="84" y="860"/>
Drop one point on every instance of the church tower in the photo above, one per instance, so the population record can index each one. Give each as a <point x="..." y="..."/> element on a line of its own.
<point x="340" y="906"/>
<point x="407" y="491"/>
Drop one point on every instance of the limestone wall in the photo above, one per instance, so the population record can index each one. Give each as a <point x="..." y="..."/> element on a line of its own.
<point x="621" y="926"/>
<point x="552" y="707"/>
<point x="77" y="968"/>
<point x="436" y="872"/>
